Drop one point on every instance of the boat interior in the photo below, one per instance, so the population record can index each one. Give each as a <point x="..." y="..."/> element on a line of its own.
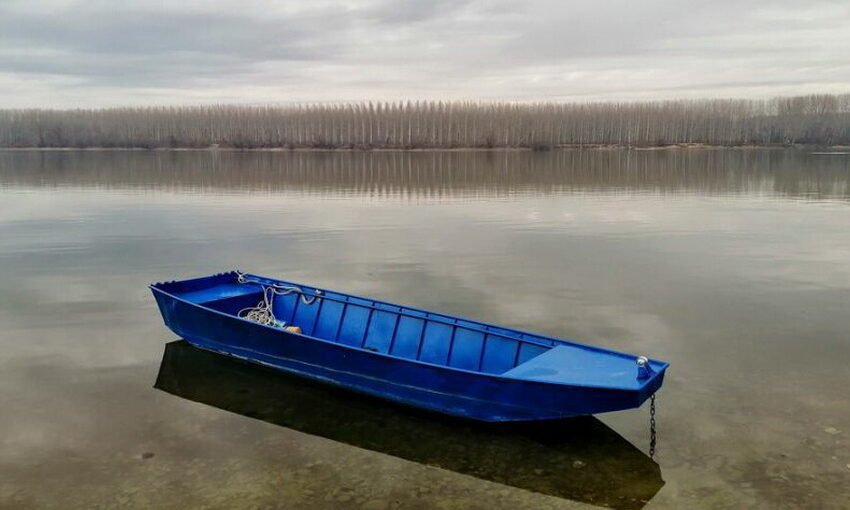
<point x="376" y="326"/>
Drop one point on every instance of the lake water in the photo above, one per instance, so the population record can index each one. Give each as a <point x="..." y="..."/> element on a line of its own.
<point x="733" y="265"/>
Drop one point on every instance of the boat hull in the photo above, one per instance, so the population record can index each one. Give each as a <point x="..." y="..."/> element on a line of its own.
<point x="460" y="393"/>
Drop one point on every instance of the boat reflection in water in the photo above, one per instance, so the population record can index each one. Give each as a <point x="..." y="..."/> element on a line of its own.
<point x="579" y="459"/>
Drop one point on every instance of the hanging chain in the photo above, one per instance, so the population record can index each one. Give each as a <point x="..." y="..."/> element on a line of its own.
<point x="652" y="427"/>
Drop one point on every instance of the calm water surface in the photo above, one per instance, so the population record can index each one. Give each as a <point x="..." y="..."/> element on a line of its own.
<point x="732" y="265"/>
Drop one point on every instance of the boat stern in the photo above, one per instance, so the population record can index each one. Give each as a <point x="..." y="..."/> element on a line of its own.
<point x="606" y="380"/>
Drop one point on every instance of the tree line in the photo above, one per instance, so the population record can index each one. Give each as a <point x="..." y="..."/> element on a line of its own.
<point x="814" y="119"/>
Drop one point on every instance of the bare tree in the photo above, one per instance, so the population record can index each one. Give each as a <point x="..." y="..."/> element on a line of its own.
<point x="815" y="119"/>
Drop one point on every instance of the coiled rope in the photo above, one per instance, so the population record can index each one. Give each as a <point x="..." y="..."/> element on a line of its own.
<point x="263" y="313"/>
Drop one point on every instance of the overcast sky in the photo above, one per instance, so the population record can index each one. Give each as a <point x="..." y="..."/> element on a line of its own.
<point x="85" y="53"/>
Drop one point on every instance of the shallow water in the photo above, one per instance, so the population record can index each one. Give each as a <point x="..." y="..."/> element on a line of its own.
<point x="733" y="265"/>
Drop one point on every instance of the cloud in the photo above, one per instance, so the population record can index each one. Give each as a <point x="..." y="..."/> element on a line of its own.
<point x="70" y="53"/>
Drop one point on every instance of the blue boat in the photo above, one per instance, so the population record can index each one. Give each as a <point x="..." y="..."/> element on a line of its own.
<point x="425" y="359"/>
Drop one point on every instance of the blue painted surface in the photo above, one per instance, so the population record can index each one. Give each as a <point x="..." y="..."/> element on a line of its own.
<point x="564" y="365"/>
<point x="421" y="358"/>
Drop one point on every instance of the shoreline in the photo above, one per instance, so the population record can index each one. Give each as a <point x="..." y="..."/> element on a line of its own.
<point x="596" y="147"/>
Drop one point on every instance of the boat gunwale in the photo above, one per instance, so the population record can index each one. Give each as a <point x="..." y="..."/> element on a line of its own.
<point x="643" y="382"/>
<point x="447" y="319"/>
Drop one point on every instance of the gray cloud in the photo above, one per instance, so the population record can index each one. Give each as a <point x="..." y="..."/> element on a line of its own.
<point x="101" y="53"/>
